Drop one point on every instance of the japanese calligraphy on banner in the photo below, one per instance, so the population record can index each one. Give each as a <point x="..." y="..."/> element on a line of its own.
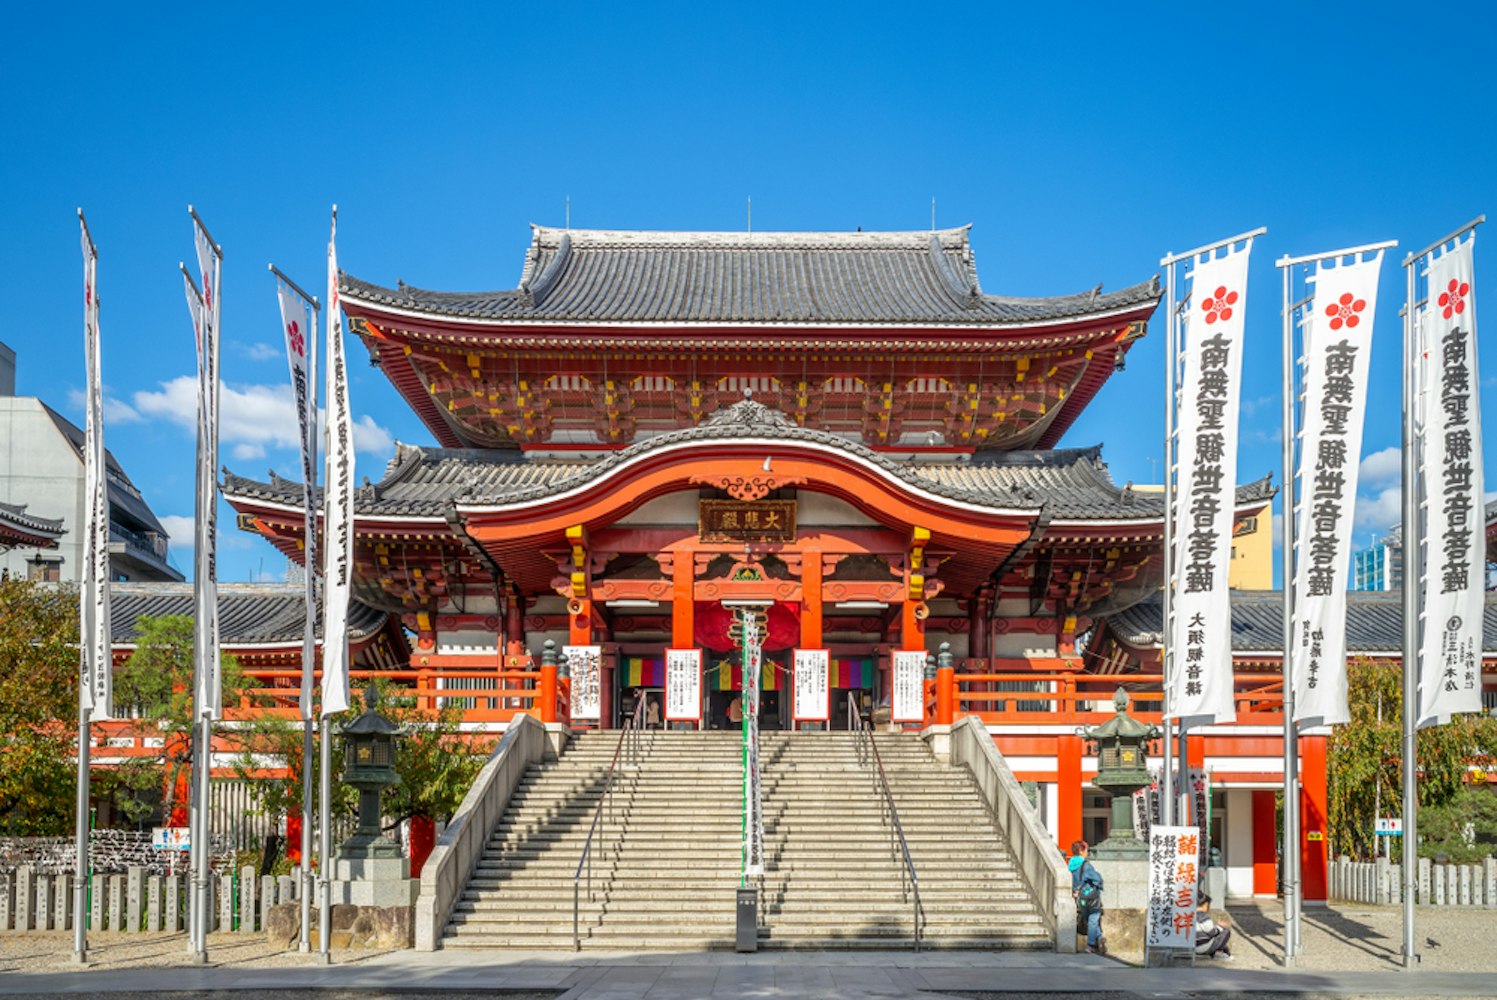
<point x="812" y="669"/>
<point x="907" y="702"/>
<point x="1174" y="872"/>
<point x="683" y="685"/>
<point x="1338" y="344"/>
<point x="1454" y="564"/>
<point x="585" y="664"/>
<point x="338" y="500"/>
<point x="1206" y="492"/>
<point x="96" y="686"/>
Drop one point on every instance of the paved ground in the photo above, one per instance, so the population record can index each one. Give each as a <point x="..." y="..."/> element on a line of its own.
<point x="1349" y="951"/>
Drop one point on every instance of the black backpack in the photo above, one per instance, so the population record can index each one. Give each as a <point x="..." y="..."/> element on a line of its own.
<point x="1089" y="896"/>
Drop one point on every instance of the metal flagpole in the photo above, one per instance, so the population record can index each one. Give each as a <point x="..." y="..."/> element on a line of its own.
<point x="1413" y="571"/>
<point x="1167" y="789"/>
<point x="1411" y="583"/>
<point x="1288" y="859"/>
<point x="195" y="838"/>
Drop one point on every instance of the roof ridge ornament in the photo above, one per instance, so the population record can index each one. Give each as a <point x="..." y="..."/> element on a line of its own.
<point x="748" y="413"/>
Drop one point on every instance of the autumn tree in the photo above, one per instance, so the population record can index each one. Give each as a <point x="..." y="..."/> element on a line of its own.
<point x="38" y="708"/>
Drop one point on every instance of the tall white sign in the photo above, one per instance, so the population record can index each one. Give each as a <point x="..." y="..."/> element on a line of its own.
<point x="683" y="685"/>
<point x="338" y="487"/>
<point x="96" y="690"/>
<point x="1174" y="878"/>
<point x="907" y="701"/>
<point x="585" y="665"/>
<point x="1338" y="345"/>
<point x="1206" y="499"/>
<point x="812" y="669"/>
<point x="1454" y="504"/>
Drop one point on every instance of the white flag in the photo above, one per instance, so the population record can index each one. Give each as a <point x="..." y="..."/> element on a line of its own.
<point x="203" y="306"/>
<point x="1201" y="634"/>
<point x="1338" y="343"/>
<point x="96" y="686"/>
<point x="1455" y="561"/>
<point x="338" y="486"/>
<point x="299" y="324"/>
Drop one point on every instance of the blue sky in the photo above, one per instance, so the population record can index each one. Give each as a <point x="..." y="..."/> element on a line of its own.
<point x="1081" y="141"/>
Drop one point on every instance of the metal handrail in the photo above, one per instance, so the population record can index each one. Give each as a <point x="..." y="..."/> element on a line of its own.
<point x="866" y="742"/>
<point x="628" y="736"/>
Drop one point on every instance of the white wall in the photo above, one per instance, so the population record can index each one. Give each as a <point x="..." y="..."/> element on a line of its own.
<point x="1239" y="842"/>
<point x="38" y="468"/>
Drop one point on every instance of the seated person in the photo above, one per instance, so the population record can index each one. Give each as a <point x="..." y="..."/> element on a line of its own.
<point x="1211" y="937"/>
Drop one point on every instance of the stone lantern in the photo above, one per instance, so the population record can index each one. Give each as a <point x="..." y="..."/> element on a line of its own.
<point x="369" y="766"/>
<point x="1122" y="769"/>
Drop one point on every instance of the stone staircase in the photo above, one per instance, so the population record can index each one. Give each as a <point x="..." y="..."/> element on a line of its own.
<point x="665" y="864"/>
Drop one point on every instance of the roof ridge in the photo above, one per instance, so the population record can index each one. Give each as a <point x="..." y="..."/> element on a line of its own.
<point x="955" y="237"/>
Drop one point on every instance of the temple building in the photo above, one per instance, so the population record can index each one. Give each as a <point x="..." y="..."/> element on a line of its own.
<point x="843" y="426"/>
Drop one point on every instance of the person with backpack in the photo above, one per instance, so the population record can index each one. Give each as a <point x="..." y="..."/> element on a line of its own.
<point x="1086" y="887"/>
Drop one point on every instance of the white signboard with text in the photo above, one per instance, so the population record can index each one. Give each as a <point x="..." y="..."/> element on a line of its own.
<point x="813" y="685"/>
<point x="585" y="665"/>
<point x="683" y="685"/>
<point x="907" y="701"/>
<point x="1174" y="874"/>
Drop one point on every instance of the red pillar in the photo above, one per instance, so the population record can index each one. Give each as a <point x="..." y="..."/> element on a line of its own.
<point x="945" y="696"/>
<point x="1265" y="844"/>
<point x="683" y="598"/>
<point x="1068" y="788"/>
<point x="810" y="605"/>
<point x="1313" y="811"/>
<point x="514" y="625"/>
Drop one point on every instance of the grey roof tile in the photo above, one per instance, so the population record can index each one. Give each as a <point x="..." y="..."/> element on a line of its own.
<point x="1374" y="622"/>
<point x="870" y="278"/>
<point x="14" y="517"/>
<point x="1070" y="483"/>
<point x="248" y="613"/>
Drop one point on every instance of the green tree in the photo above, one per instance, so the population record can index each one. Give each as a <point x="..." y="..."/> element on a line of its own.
<point x="435" y="762"/>
<point x="155" y="687"/>
<point x="1366" y="758"/>
<point x="38" y="708"/>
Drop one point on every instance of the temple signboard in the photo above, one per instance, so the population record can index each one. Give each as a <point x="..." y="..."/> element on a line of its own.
<point x="746" y="520"/>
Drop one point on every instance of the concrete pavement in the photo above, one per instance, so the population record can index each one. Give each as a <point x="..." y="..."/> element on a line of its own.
<point x="691" y="975"/>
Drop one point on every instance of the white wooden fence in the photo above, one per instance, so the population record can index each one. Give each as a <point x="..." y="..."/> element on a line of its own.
<point x="1381" y="882"/>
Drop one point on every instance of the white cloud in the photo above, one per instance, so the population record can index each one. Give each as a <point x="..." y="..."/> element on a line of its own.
<point x="1379" y="512"/>
<point x="180" y="529"/>
<point x="252" y="418"/>
<point x="116" y="411"/>
<point x="259" y="352"/>
<point x="1278" y="531"/>
<point x="1381" y="468"/>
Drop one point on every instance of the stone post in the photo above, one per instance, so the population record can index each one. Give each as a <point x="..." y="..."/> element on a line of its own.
<point x="247" y="899"/>
<point x="226" y="902"/>
<point x="96" y="903"/>
<point x="7" y="899"/>
<point x="173" y="903"/>
<point x="285" y="889"/>
<point x="1424" y="878"/>
<point x="135" y="886"/>
<point x="267" y="899"/>
<point x="153" y="904"/>
<point x="42" y="901"/>
<point x="62" y="903"/>
<point x="24" y="912"/>
<point x="1489" y="879"/>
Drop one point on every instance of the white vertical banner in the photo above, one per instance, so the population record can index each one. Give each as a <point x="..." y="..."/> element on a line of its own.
<point x="96" y="687"/>
<point x="203" y="304"/>
<point x="585" y="666"/>
<point x="1454" y="503"/>
<point x="338" y="487"/>
<point x="1174" y="877"/>
<point x="683" y="685"/>
<point x="907" y="700"/>
<point x="299" y="325"/>
<point x="1206" y="495"/>
<point x="812" y="673"/>
<point x="1337" y="349"/>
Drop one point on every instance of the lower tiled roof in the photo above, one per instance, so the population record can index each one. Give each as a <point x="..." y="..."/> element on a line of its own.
<point x="1374" y="622"/>
<point x="39" y="532"/>
<point x="248" y="613"/>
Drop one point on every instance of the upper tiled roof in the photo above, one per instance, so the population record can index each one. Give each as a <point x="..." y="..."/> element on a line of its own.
<point x="1374" y="622"/>
<point x="582" y="275"/>
<point x="1071" y="483"/>
<point x="38" y="532"/>
<point x="248" y="613"/>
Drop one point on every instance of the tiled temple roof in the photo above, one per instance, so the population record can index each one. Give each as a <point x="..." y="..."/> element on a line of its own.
<point x="1070" y="483"/>
<point x="1374" y="622"/>
<point x="248" y="613"/>
<point x="20" y="528"/>
<point x="874" y="278"/>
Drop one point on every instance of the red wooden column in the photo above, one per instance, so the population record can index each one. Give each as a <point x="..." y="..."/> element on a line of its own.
<point x="1068" y="788"/>
<point x="580" y="606"/>
<point x="514" y="625"/>
<point x="810" y="603"/>
<point x="1265" y="844"/>
<point x="1313" y="810"/>
<point x="912" y="610"/>
<point x="683" y="597"/>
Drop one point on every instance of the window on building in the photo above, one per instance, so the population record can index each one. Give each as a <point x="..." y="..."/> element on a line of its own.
<point x="44" y="570"/>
